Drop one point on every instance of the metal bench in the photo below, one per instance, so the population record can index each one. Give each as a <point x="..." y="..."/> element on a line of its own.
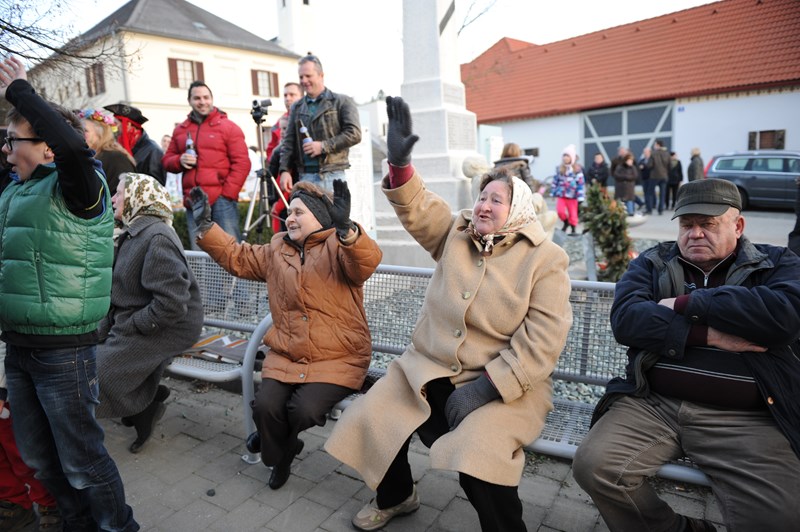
<point x="393" y="297"/>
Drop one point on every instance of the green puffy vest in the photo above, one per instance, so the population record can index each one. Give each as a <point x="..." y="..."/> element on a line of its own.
<point x="55" y="268"/>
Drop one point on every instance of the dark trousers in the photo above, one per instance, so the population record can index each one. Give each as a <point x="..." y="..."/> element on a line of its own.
<point x="672" y="195"/>
<point x="499" y="508"/>
<point x="649" y="187"/>
<point x="281" y="411"/>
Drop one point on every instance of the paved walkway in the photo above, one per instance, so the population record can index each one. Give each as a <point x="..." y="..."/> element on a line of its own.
<point x="190" y="477"/>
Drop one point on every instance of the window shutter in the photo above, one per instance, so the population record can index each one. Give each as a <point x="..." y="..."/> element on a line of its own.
<point x="89" y="84"/>
<point x="273" y="82"/>
<point x="198" y="67"/>
<point x="751" y="141"/>
<point x="101" y="80"/>
<point x="173" y="72"/>
<point x="254" y="81"/>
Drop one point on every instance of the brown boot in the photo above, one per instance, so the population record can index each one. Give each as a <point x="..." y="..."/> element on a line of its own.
<point x="14" y="517"/>
<point x="50" y="519"/>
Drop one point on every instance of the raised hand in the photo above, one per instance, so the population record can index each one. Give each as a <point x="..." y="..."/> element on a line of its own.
<point x="340" y="212"/>
<point x="10" y="69"/>
<point x="201" y="210"/>
<point x="400" y="138"/>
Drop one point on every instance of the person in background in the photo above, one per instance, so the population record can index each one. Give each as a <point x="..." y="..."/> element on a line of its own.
<point x="695" y="170"/>
<point x="475" y="383"/>
<point x="320" y="154"/>
<point x="220" y="165"/>
<point x="648" y="186"/>
<point x="712" y="323"/>
<point x="132" y="136"/>
<point x="625" y="183"/>
<point x="597" y="172"/>
<point x="156" y="309"/>
<point x="59" y="184"/>
<point x="517" y="165"/>
<point x="658" y="164"/>
<point x="319" y="344"/>
<point x="292" y="92"/>
<point x="673" y="181"/>
<point x="568" y="188"/>
<point x="99" y="126"/>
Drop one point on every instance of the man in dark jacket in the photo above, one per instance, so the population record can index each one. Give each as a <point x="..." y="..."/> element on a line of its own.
<point x="712" y="322"/>
<point x="323" y="126"/>
<point x="132" y="136"/>
<point x="659" y="164"/>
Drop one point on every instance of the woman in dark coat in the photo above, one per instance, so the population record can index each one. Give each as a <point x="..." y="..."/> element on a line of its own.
<point x="625" y="183"/>
<point x="695" y="170"/>
<point x="156" y="310"/>
<point x="597" y="172"/>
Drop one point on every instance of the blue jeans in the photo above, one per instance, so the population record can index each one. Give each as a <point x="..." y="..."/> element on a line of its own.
<point x="325" y="180"/>
<point x="225" y="213"/>
<point x="662" y="190"/>
<point x="54" y="393"/>
<point x="649" y="187"/>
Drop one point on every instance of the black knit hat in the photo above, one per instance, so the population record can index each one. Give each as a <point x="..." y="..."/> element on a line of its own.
<point x="709" y="197"/>
<point x="319" y="206"/>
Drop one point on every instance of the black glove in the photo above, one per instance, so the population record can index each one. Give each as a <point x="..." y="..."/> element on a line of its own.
<point x="469" y="397"/>
<point x="340" y="211"/>
<point x="399" y="139"/>
<point x="201" y="210"/>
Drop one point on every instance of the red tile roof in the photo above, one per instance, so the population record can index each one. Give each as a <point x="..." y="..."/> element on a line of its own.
<point x="715" y="48"/>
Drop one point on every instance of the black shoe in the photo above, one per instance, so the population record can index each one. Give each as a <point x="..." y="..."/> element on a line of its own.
<point x="282" y="470"/>
<point x="144" y="422"/>
<point x="253" y="443"/>
<point x="161" y="393"/>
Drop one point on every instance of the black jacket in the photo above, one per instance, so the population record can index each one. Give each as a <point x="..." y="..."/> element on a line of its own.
<point x="148" y="156"/>
<point x="760" y="301"/>
<point x="597" y="173"/>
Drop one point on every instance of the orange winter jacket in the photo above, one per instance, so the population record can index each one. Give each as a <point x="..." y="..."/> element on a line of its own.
<point x="319" y="331"/>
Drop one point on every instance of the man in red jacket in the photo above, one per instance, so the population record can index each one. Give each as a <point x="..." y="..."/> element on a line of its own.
<point x="221" y="163"/>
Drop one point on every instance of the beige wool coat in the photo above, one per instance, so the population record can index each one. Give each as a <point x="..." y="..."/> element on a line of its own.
<point x="507" y="314"/>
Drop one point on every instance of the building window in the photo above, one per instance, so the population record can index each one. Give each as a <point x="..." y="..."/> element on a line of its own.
<point x="95" y="80"/>
<point x="773" y="139"/>
<point x="183" y="72"/>
<point x="265" y="83"/>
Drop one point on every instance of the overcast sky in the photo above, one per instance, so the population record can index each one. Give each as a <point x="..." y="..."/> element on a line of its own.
<point x="367" y="56"/>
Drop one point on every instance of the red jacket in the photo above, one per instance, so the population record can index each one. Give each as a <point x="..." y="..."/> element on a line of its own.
<point x="222" y="160"/>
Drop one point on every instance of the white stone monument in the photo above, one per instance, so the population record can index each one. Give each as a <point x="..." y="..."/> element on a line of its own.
<point x="433" y="89"/>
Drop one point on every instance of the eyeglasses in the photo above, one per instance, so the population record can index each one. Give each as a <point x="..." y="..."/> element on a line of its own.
<point x="9" y="141"/>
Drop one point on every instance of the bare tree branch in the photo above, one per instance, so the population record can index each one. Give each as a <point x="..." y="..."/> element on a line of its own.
<point x="469" y="20"/>
<point x="34" y="31"/>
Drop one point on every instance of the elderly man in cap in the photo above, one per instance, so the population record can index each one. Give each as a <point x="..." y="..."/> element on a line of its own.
<point x="145" y="151"/>
<point x="712" y="322"/>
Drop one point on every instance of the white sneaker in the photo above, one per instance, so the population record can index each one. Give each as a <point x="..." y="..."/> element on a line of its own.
<point x="370" y="517"/>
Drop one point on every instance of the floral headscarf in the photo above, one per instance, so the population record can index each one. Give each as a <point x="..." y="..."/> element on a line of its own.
<point x="145" y="195"/>
<point x="521" y="214"/>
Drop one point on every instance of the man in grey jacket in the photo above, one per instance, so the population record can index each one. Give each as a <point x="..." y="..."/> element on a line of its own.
<point x="322" y="127"/>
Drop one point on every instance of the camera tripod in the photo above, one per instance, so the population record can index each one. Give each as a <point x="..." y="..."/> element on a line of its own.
<point x="260" y="196"/>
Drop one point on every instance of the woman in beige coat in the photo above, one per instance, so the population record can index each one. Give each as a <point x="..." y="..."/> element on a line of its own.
<point x="475" y="382"/>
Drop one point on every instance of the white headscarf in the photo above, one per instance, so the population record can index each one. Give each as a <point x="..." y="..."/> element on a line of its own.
<point x="521" y="213"/>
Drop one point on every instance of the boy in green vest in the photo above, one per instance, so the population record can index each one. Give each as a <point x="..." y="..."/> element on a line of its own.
<point x="56" y="254"/>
